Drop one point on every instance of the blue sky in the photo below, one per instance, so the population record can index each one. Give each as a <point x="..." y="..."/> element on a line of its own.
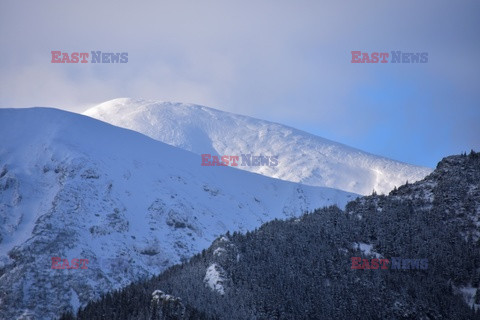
<point x="284" y="61"/>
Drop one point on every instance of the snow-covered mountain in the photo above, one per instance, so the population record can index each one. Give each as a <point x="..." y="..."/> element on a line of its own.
<point x="77" y="188"/>
<point x="302" y="157"/>
<point x="304" y="268"/>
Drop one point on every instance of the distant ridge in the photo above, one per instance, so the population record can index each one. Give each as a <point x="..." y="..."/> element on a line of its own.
<point x="302" y="157"/>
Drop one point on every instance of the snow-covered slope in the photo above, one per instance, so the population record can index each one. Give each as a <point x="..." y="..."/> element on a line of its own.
<point x="302" y="157"/>
<point x="75" y="187"/>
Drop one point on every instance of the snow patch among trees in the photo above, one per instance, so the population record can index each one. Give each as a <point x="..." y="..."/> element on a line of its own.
<point x="214" y="278"/>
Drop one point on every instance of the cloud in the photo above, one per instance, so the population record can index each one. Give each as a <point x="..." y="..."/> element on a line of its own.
<point x="278" y="60"/>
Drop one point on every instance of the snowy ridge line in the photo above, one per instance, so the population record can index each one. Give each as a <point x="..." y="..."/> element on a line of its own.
<point x="75" y="187"/>
<point x="302" y="157"/>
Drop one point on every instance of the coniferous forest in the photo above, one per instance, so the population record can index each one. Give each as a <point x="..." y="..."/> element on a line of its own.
<point x="302" y="268"/>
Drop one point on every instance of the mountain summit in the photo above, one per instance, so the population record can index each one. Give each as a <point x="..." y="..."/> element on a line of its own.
<point x="302" y="157"/>
<point x="72" y="187"/>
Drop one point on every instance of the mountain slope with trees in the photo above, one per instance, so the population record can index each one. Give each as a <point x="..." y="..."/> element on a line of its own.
<point x="302" y="269"/>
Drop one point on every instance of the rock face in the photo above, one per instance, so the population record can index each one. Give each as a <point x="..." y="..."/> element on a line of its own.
<point x="72" y="187"/>
<point x="167" y="307"/>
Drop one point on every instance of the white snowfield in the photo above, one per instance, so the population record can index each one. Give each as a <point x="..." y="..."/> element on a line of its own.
<point x="75" y="187"/>
<point x="302" y="157"/>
